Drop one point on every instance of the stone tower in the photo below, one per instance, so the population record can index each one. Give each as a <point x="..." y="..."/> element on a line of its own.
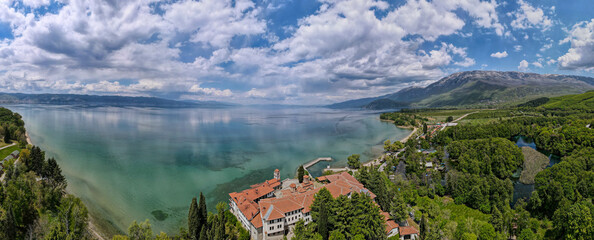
<point x="277" y="174"/>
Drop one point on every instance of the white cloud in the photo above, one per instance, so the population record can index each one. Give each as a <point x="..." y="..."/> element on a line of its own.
<point x="518" y="48"/>
<point x="580" y="56"/>
<point x="537" y="64"/>
<point x="528" y="16"/>
<point x="551" y="61"/>
<point x="36" y="3"/>
<point x="546" y="47"/>
<point x="499" y="54"/>
<point x="215" y="22"/>
<point x="210" y="91"/>
<point x="523" y="65"/>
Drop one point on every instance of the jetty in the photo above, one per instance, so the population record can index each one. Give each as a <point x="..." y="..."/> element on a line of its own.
<point x="309" y="164"/>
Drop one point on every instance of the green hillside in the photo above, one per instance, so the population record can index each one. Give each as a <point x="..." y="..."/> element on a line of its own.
<point x="584" y="101"/>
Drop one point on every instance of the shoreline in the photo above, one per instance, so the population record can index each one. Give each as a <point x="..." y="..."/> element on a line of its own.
<point x="376" y="160"/>
<point x="28" y="138"/>
<point x="93" y="230"/>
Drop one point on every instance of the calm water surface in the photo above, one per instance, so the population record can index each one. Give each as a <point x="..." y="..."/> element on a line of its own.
<point x="145" y="163"/>
<point x="522" y="190"/>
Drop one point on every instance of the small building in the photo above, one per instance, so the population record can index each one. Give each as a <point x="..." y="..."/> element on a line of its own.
<point x="408" y="232"/>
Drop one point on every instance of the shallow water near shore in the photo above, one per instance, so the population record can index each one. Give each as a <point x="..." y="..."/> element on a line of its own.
<point x="146" y="163"/>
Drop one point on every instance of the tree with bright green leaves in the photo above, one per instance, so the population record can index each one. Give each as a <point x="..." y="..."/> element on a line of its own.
<point x="193" y="230"/>
<point x="574" y="221"/>
<point x="73" y="215"/>
<point x="19" y="207"/>
<point x="220" y="233"/>
<point x="300" y="173"/>
<point x="398" y="209"/>
<point x="162" y="236"/>
<point x="353" y="161"/>
<point x="336" y="235"/>
<point x="526" y="234"/>
<point x="142" y="231"/>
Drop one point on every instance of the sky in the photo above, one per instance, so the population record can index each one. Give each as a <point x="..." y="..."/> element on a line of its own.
<point x="282" y="51"/>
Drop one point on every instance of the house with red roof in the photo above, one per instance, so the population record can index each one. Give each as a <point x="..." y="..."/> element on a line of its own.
<point x="269" y="210"/>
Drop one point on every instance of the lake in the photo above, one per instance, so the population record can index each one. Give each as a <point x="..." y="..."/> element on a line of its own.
<point x="147" y="163"/>
<point x="522" y="190"/>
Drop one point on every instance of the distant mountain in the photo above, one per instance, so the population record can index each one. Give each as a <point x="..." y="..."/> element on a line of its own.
<point x="481" y="88"/>
<point x="98" y="100"/>
<point x="384" y="103"/>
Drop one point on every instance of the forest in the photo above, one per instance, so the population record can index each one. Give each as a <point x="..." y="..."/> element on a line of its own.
<point x="471" y="198"/>
<point x="33" y="200"/>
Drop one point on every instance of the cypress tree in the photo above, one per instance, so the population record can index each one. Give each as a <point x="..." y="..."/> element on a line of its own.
<point x="193" y="230"/>
<point x="7" y="135"/>
<point x="323" y="221"/>
<point x="202" y="212"/>
<point x="203" y="235"/>
<point x="300" y="173"/>
<point x="423" y="226"/>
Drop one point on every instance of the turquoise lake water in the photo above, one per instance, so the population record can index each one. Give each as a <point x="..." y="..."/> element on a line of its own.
<point x="146" y="163"/>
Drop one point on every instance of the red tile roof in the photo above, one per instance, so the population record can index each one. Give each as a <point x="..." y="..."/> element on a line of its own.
<point x="344" y="184"/>
<point x="408" y="230"/>
<point x="390" y="224"/>
<point x="257" y="221"/>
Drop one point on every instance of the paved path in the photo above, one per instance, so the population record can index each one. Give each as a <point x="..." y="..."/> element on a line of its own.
<point x="7" y="146"/>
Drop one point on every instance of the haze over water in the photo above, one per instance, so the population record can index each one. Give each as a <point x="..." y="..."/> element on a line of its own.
<point x="145" y="163"/>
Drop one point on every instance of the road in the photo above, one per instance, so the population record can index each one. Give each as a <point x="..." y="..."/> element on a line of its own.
<point x="463" y="116"/>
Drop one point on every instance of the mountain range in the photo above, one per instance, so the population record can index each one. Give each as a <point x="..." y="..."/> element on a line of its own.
<point x="477" y="88"/>
<point x="97" y="100"/>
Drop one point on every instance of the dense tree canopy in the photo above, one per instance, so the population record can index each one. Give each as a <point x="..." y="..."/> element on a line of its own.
<point x="356" y="217"/>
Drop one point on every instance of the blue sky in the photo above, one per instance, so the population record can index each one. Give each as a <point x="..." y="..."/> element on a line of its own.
<point x="282" y="51"/>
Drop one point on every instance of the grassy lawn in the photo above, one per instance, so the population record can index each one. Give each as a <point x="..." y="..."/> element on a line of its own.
<point x="2" y="144"/>
<point x="5" y="152"/>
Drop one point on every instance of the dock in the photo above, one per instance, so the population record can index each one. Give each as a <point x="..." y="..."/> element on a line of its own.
<point x="309" y="164"/>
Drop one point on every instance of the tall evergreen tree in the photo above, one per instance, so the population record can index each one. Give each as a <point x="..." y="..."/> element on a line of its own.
<point x="202" y="213"/>
<point x="220" y="233"/>
<point x="320" y="209"/>
<point x="203" y="235"/>
<point x="193" y="230"/>
<point x="300" y="173"/>
<point x="423" y="227"/>
<point x="6" y="135"/>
